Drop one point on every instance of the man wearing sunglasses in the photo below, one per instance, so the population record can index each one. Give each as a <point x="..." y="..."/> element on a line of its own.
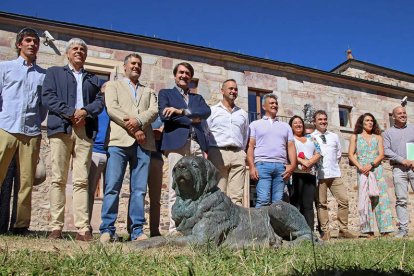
<point x="329" y="177"/>
<point x="21" y="113"/>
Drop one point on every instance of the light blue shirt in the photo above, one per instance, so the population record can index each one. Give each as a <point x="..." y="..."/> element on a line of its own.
<point x="79" y="93"/>
<point x="134" y="91"/>
<point x="20" y="90"/>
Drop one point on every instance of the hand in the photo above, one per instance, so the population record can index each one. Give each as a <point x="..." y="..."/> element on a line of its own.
<point x="254" y="174"/>
<point x="131" y="124"/>
<point x="288" y="172"/>
<point x="196" y="120"/>
<point x="305" y="162"/>
<point x="157" y="134"/>
<point x="78" y="118"/>
<point x="365" y="169"/>
<point x="140" y="136"/>
<point x="168" y="111"/>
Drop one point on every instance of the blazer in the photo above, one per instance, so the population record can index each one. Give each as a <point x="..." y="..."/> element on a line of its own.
<point x="177" y="127"/>
<point x="120" y="103"/>
<point x="59" y="96"/>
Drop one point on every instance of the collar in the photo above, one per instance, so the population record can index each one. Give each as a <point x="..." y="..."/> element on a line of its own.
<point x="400" y="127"/>
<point x="182" y="91"/>
<point x="317" y="132"/>
<point x="220" y="104"/>
<point x="131" y="83"/>
<point x="23" y="62"/>
<point x="74" y="71"/>
<point x="268" y="118"/>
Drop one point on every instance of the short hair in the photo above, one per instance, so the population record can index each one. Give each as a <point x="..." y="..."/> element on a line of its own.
<point x="76" y="41"/>
<point x="186" y="65"/>
<point x="135" y="55"/>
<point x="319" y="112"/>
<point x="309" y="126"/>
<point x="359" y="125"/>
<point x="21" y="34"/>
<point x="268" y="95"/>
<point x="303" y="123"/>
<point x="226" y="81"/>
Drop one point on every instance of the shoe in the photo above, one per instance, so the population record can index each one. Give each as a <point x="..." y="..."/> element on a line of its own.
<point x="105" y="238"/>
<point x="347" y="234"/>
<point x="326" y="236"/>
<point x="23" y="231"/>
<point x="141" y="237"/>
<point x="87" y="237"/>
<point x="401" y="234"/>
<point x="369" y="235"/>
<point x="56" y="234"/>
<point x="385" y="234"/>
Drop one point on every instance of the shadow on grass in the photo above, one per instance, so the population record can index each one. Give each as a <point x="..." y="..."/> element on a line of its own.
<point x="355" y="272"/>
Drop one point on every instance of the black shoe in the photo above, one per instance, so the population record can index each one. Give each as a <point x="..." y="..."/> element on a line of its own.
<point x="23" y="231"/>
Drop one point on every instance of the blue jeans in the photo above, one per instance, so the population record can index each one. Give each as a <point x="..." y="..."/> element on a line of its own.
<point x="270" y="186"/>
<point x="118" y="158"/>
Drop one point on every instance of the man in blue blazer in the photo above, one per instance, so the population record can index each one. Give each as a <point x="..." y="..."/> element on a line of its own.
<point x="183" y="114"/>
<point x="72" y="96"/>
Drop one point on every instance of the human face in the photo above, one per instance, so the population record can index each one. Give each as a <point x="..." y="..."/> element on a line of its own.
<point x="368" y="124"/>
<point x="400" y="116"/>
<point x="182" y="77"/>
<point x="229" y="91"/>
<point x="133" y="68"/>
<point x="321" y="122"/>
<point x="77" y="56"/>
<point x="271" y="106"/>
<point x="297" y="127"/>
<point x="29" y="47"/>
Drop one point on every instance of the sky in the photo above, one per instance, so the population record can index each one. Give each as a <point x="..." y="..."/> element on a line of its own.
<point x="312" y="33"/>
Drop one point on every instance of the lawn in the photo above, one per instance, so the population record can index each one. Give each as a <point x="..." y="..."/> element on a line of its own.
<point x="37" y="255"/>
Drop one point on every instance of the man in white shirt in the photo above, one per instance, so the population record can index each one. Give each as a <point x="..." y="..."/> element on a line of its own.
<point x="329" y="177"/>
<point x="229" y="126"/>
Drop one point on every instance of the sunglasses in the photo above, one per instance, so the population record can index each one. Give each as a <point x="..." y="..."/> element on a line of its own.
<point x="323" y="138"/>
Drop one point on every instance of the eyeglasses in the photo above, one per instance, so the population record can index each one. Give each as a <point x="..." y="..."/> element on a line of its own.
<point x="323" y="138"/>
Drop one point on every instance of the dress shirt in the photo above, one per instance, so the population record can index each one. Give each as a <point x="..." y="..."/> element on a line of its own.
<point x="79" y="94"/>
<point x="134" y="89"/>
<point x="395" y="142"/>
<point x="228" y="128"/>
<point x="272" y="139"/>
<point x="331" y="154"/>
<point x="20" y="88"/>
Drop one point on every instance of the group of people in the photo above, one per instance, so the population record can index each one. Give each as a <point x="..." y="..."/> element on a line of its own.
<point x="94" y="128"/>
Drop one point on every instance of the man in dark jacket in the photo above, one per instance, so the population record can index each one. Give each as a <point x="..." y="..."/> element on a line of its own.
<point x="183" y="114"/>
<point x="74" y="102"/>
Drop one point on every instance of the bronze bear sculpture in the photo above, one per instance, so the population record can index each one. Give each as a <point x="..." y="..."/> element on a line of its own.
<point x="204" y="214"/>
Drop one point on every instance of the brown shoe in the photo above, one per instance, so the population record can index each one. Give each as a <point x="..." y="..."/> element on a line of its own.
<point x="55" y="235"/>
<point x="87" y="237"/>
<point x="326" y="236"/>
<point x="347" y="234"/>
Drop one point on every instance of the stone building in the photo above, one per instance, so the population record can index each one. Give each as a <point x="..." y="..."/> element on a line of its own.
<point x="352" y="88"/>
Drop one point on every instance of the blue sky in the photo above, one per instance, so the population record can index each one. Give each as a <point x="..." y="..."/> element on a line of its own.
<point x="311" y="33"/>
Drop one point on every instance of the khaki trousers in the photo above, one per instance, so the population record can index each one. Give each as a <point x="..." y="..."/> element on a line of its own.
<point x="64" y="146"/>
<point x="339" y="191"/>
<point x="191" y="148"/>
<point x="231" y="163"/>
<point x="27" y="150"/>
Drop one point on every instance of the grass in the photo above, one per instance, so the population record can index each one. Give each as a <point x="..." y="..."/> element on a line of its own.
<point x="39" y="256"/>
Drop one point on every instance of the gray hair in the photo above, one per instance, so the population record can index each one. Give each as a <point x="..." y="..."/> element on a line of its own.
<point x="76" y="41"/>
<point x="135" y="55"/>
<point x="269" y="95"/>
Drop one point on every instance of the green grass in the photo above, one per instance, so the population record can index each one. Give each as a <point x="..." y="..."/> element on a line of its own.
<point x="373" y="257"/>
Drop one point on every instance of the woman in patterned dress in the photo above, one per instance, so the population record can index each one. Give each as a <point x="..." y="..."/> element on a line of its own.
<point x="366" y="151"/>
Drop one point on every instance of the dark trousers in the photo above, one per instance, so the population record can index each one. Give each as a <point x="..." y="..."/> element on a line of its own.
<point x="303" y="195"/>
<point x="5" y="198"/>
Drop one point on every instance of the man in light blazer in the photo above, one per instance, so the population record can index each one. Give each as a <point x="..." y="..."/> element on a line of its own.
<point x="184" y="115"/>
<point x="131" y="107"/>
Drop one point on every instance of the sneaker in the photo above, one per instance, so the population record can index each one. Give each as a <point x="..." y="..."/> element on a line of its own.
<point x="105" y="238"/>
<point x="326" y="236"/>
<point x="86" y="237"/>
<point x="56" y="234"/>
<point x="347" y="234"/>
<point x="141" y="237"/>
<point x="401" y="234"/>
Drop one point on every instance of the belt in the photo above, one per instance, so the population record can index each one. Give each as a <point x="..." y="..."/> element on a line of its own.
<point x="231" y="148"/>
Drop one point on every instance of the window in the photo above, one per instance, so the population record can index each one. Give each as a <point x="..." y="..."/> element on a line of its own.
<point x="193" y="85"/>
<point x="345" y="116"/>
<point x="255" y="104"/>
